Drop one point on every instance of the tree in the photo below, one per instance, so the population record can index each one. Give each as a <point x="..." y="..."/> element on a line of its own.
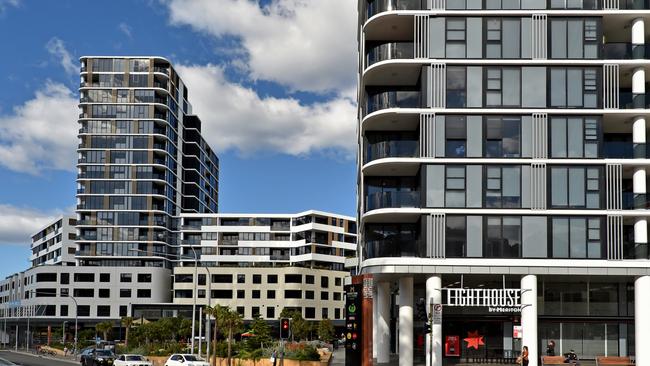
<point x="232" y="322"/>
<point x="261" y="334"/>
<point x="127" y="322"/>
<point x="218" y="313"/>
<point x="326" y="330"/>
<point x="104" y="328"/>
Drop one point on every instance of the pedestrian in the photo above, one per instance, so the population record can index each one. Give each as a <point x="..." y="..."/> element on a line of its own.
<point x="523" y="358"/>
<point x="274" y="357"/>
<point x="550" y="348"/>
<point x="65" y="351"/>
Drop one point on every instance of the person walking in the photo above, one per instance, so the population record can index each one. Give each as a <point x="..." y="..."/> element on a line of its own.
<point x="523" y="358"/>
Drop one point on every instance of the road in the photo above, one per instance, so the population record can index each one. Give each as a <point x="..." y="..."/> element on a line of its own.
<point x="29" y="360"/>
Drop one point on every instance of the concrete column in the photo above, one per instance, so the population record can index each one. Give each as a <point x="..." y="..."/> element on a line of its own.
<point x="529" y="316"/>
<point x="642" y="320"/>
<point x="638" y="130"/>
<point x="434" y="295"/>
<point x="638" y="31"/>
<point x="638" y="81"/>
<point x="640" y="223"/>
<point x="382" y="302"/>
<point x="375" y="335"/>
<point x="406" y="321"/>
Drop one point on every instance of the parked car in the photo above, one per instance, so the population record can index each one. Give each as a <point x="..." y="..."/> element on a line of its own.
<point x="97" y="357"/>
<point x="132" y="360"/>
<point x="185" y="360"/>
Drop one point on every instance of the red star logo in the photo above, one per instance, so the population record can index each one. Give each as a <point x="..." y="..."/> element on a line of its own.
<point x="474" y="340"/>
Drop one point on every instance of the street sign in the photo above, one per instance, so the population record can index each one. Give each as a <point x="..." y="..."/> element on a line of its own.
<point x="353" y="321"/>
<point x="517" y="332"/>
<point x="437" y="313"/>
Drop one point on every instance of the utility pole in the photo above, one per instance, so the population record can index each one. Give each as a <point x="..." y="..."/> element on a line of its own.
<point x="431" y="332"/>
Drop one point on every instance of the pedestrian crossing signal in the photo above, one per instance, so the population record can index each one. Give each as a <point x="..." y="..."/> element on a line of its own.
<point x="284" y="328"/>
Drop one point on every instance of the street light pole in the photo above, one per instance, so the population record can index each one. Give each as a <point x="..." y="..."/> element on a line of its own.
<point x="196" y="259"/>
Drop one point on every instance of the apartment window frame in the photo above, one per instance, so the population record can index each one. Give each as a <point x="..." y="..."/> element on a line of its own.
<point x="588" y="86"/>
<point x="494" y="83"/>
<point x="592" y="134"/>
<point x="453" y="184"/>
<point x="495" y="37"/>
<point x="456" y="36"/>
<point x="496" y="135"/>
<point x="459" y="91"/>
<point x="594" y="235"/>
<point x="488" y="251"/>
<point x="455" y="136"/>
<point x="491" y="181"/>
<point x="592" y="31"/>
<point x="594" y="186"/>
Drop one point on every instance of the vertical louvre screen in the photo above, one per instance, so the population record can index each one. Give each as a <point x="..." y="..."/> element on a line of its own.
<point x="610" y="86"/>
<point x="539" y="136"/>
<point x="438" y="4"/>
<point x="427" y="135"/>
<point x="421" y="36"/>
<point x="438" y="84"/>
<point x="615" y="237"/>
<point x="614" y="186"/>
<point x="436" y="235"/>
<point x="539" y="34"/>
<point x="610" y="4"/>
<point x="538" y="187"/>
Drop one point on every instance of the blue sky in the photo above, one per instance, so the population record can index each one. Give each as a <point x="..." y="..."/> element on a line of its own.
<point x="275" y="93"/>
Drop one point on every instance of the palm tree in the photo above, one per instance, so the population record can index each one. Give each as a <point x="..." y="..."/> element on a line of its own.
<point x="233" y="322"/>
<point x="217" y="312"/>
<point x="127" y="322"/>
<point x="104" y="328"/>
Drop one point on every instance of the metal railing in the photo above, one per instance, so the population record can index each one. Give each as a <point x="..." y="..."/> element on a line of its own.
<point x="392" y="199"/>
<point x="393" y="99"/>
<point x="389" y="51"/>
<point x="392" y="149"/>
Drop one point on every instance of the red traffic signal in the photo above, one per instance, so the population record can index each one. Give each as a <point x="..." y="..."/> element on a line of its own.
<point x="284" y="328"/>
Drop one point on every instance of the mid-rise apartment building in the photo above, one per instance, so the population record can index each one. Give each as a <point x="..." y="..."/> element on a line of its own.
<point x="263" y="263"/>
<point x="55" y="243"/>
<point x="502" y="154"/>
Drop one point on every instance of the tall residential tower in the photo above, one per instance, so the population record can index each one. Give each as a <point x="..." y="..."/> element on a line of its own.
<point x="503" y="177"/>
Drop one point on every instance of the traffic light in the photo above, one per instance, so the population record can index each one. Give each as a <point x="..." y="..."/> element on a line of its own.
<point x="284" y="328"/>
<point x="427" y="328"/>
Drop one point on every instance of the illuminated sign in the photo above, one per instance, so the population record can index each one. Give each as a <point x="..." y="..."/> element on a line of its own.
<point x="496" y="300"/>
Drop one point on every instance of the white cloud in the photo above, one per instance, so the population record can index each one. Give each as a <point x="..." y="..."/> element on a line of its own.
<point x="125" y="28"/>
<point x="42" y="132"/>
<point x="17" y="224"/>
<point x="236" y="117"/>
<point x="56" y="48"/>
<point x="306" y="45"/>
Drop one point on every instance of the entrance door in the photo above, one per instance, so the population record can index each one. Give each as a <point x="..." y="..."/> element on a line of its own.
<point x="481" y="341"/>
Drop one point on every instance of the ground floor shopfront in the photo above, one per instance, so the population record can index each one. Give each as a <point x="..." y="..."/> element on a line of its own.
<point x="489" y="318"/>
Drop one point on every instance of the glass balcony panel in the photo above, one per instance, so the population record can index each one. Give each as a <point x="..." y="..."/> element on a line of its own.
<point x="629" y="100"/>
<point x="393" y="99"/>
<point x="392" y="149"/>
<point x="392" y="199"/>
<point x="635" y="201"/>
<point x="389" y="51"/>
<point x="379" y="6"/>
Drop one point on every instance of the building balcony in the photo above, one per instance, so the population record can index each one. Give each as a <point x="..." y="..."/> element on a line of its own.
<point x="633" y="4"/>
<point x="392" y="149"/>
<point x="389" y="51"/>
<point x="393" y="99"/>
<point x="635" y="201"/>
<point x="392" y="199"/>
<point x="380" y="6"/>
<point x="623" y="51"/>
<point x="624" y="150"/>
<point x="629" y="100"/>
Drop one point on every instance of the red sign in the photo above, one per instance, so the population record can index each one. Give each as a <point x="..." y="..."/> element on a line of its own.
<point x="452" y="346"/>
<point x="474" y="340"/>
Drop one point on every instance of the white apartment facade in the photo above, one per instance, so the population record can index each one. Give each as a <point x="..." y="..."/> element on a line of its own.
<point x="55" y="243"/>
<point x="502" y="153"/>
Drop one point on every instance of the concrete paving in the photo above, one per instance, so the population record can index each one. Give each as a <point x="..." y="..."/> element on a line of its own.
<point x="27" y="359"/>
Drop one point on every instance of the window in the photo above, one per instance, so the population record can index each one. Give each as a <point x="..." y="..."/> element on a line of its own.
<point x="309" y="279"/>
<point x="574" y="38"/>
<point x="241" y="278"/>
<point x="241" y="310"/>
<point x="104" y="277"/>
<point x="256" y="294"/>
<point x="222" y="278"/>
<point x="455" y="38"/>
<point x="144" y="277"/>
<point x="104" y="293"/>
<point x="270" y="312"/>
<point x="574" y="137"/>
<point x="241" y="294"/>
<point x="144" y="293"/>
<point x="502" y="38"/>
<point x="221" y="294"/>
<point x="103" y="310"/>
<point x="575" y="187"/>
<point x="309" y="295"/>
<point x="257" y="278"/>
<point x="292" y="294"/>
<point x="324" y="282"/>
<point x="65" y="278"/>
<point x="337" y="296"/>
<point x="503" y="237"/>
<point x="270" y="294"/>
<point x="337" y="313"/>
<point x="125" y="292"/>
<point x="63" y="310"/>
<point x="272" y="279"/>
<point x="337" y="281"/>
<point x="183" y="278"/>
<point x="502" y="186"/>
<point x="123" y="310"/>
<point x="310" y="313"/>
<point x="83" y="310"/>
<point x="574" y="87"/>
<point x="83" y="292"/>
<point x="455" y="136"/>
<point x="455" y="186"/>
<point x="125" y="277"/>
<point x="201" y="279"/>
<point x="46" y="277"/>
<point x="503" y="87"/>
<point x="201" y="294"/>
<point x="456" y="87"/>
<point x="292" y="278"/>
<point x="255" y="311"/>
<point x="577" y="237"/>
<point x="84" y="277"/>
<point x="324" y="313"/>
<point x="65" y="292"/>
<point x="502" y="137"/>
<point x="324" y="295"/>
<point x="455" y="236"/>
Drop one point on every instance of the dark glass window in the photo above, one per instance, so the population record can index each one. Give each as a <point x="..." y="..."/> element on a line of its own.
<point x="104" y="277"/>
<point x="324" y="282"/>
<point x="257" y="278"/>
<point x="502" y="186"/>
<point x="221" y="294"/>
<point x="455" y="236"/>
<point x="574" y="137"/>
<point x="270" y="312"/>
<point x="222" y="278"/>
<point x="309" y="295"/>
<point x="241" y="278"/>
<point x="455" y="136"/>
<point x="125" y="292"/>
<point x="270" y="294"/>
<point x="393" y="240"/>
<point x="456" y="36"/>
<point x="272" y="279"/>
<point x="144" y="293"/>
<point x="575" y="187"/>
<point x="256" y="294"/>
<point x="241" y="294"/>
<point x="503" y="87"/>
<point x="577" y="237"/>
<point x="126" y="277"/>
<point x="309" y="279"/>
<point x="310" y="313"/>
<point x="103" y="310"/>
<point x="574" y="87"/>
<point x="502" y="136"/>
<point x="123" y="310"/>
<point x="83" y="310"/>
<point x="455" y="186"/>
<point x="292" y="294"/>
<point x="574" y="38"/>
<point x="456" y="87"/>
<point x="503" y="237"/>
<point x="104" y="293"/>
<point x="144" y="277"/>
<point x="292" y="278"/>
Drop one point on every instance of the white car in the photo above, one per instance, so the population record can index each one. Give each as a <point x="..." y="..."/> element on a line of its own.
<point x="185" y="360"/>
<point x="132" y="360"/>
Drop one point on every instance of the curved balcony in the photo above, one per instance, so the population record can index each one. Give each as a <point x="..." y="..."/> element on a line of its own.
<point x="389" y="51"/>
<point x="392" y="199"/>
<point x="624" y="150"/>
<point x="623" y="51"/>
<point x="379" y="6"/>
<point x="635" y="201"/>
<point x="633" y="4"/>
<point x="629" y="100"/>
<point x="392" y="149"/>
<point x="393" y="99"/>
